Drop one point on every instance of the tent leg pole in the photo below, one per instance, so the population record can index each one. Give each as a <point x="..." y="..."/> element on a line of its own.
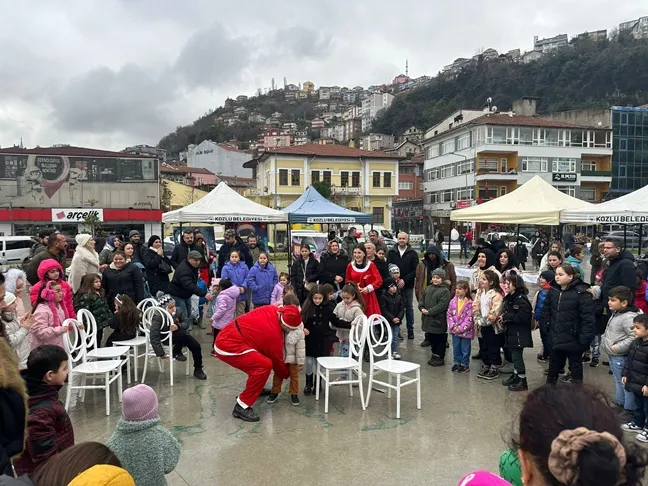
<point x="517" y="239"/>
<point x="449" y="242"/>
<point x="640" y="235"/>
<point x="625" y="236"/>
<point x="290" y="248"/>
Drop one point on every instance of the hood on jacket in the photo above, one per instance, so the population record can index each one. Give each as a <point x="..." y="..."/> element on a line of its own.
<point x="38" y="390"/>
<point x="490" y="257"/>
<point x="47" y="265"/>
<point x="134" y="426"/>
<point x="269" y="266"/>
<point x="239" y="264"/>
<point x="103" y="475"/>
<point x="624" y="255"/>
<point x="433" y="250"/>
<point x="11" y="279"/>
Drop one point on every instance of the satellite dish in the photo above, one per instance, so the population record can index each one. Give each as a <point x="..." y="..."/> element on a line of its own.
<point x="489" y="100"/>
<point x="599" y="124"/>
<point x="494" y="109"/>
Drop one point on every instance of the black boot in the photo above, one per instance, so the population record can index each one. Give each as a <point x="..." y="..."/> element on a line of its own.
<point x="308" y="389"/>
<point x="521" y="385"/>
<point x="246" y="414"/>
<point x="511" y="380"/>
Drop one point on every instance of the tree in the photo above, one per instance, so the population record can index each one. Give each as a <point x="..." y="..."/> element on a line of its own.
<point x="92" y="220"/>
<point x="165" y="196"/>
<point x="323" y="187"/>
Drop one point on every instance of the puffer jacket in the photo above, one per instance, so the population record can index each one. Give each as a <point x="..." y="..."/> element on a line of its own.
<point x="346" y="314"/>
<point x="460" y="324"/>
<point x="277" y="294"/>
<point x="619" y="332"/>
<point x="620" y="271"/>
<point x="32" y="266"/>
<point x="261" y="281"/>
<point x="225" y="307"/>
<point x="13" y="408"/>
<point x="103" y="475"/>
<point x="127" y="281"/>
<point x="539" y="300"/>
<point x="43" y="330"/>
<point x="570" y="314"/>
<point x="158" y="268"/>
<point x="436" y="300"/>
<point x="319" y="330"/>
<point x="49" y="429"/>
<point x="238" y="275"/>
<point x="224" y="251"/>
<point x="332" y="266"/>
<point x="495" y="303"/>
<point x="407" y="263"/>
<point x="43" y="268"/>
<point x="517" y="317"/>
<point x="295" y="346"/>
<point x="146" y="450"/>
<point x="84" y="262"/>
<point x="636" y="367"/>
<point x="97" y="305"/>
<point x="392" y="306"/>
<point x="185" y="282"/>
<point x="18" y="338"/>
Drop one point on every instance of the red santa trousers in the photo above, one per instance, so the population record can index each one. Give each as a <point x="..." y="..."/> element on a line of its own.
<point x="258" y="369"/>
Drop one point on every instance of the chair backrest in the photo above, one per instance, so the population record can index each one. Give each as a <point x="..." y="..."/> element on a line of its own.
<point x="74" y="342"/>
<point x="146" y="303"/>
<point x="379" y="337"/>
<point x="85" y="317"/>
<point x="358" y="336"/>
<point x="167" y="320"/>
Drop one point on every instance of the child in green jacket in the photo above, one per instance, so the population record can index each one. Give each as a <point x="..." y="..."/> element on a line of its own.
<point x="434" y="305"/>
<point x="144" y="447"/>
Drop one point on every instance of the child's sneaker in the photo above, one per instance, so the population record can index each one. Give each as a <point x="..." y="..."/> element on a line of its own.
<point x="396" y="356"/>
<point x="294" y="399"/>
<point x="273" y="397"/>
<point x="567" y="378"/>
<point x="482" y="374"/>
<point x="642" y="436"/>
<point x="632" y="427"/>
<point x="455" y="368"/>
<point x="594" y="363"/>
<point x="463" y="369"/>
<point x="491" y="374"/>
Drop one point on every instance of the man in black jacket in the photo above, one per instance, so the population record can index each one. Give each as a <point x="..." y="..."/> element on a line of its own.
<point x="182" y="249"/>
<point x="621" y="269"/>
<point x="233" y="242"/>
<point x="55" y="250"/>
<point x="406" y="259"/>
<point x="183" y="285"/>
<point x="135" y="239"/>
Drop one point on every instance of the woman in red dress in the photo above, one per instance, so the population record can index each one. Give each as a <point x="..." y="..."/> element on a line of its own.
<point x="366" y="275"/>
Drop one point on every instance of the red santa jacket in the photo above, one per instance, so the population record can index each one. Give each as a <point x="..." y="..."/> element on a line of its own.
<point x="259" y="330"/>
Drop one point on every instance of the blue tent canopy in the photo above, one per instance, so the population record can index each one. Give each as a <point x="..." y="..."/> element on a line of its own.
<point x="311" y="207"/>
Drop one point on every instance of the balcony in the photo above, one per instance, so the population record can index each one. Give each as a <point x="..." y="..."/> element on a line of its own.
<point x="596" y="173"/>
<point x="493" y="174"/>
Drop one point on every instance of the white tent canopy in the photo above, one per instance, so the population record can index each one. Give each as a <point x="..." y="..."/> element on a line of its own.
<point x="629" y="209"/>
<point x="224" y="205"/>
<point x="535" y="202"/>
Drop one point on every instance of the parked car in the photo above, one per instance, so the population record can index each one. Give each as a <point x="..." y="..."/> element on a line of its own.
<point x="631" y="238"/>
<point x="15" y="249"/>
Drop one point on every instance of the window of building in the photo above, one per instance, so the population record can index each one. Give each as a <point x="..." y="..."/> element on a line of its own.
<point x="387" y="179"/>
<point x="588" y="138"/>
<point x="502" y="190"/>
<point x="447" y="195"/>
<point x="283" y="177"/>
<point x="487" y="165"/>
<point x="326" y="176"/>
<point x="447" y="171"/>
<point x="405" y="186"/>
<point x="478" y="136"/>
<point x="526" y="135"/>
<point x="487" y="192"/>
<point x="294" y="178"/>
<point x="588" y="193"/>
<point x="623" y="144"/>
<point x="495" y="134"/>
<point x="315" y="176"/>
<point x="534" y="164"/>
<point x="564" y="138"/>
<point x="513" y="135"/>
<point x="563" y="165"/>
<point x="465" y="167"/>
<point x="355" y="179"/>
<point x="624" y="119"/>
<point x="623" y="171"/>
<point x="539" y="136"/>
<point x="378" y="215"/>
<point x="433" y="151"/>
<point x="420" y="186"/>
<point x="448" y="146"/>
<point x="376" y="179"/>
<point x="569" y="190"/>
<point x="503" y="165"/>
<point x="463" y="141"/>
<point x="465" y="193"/>
<point x="552" y="137"/>
<point x="344" y="179"/>
<point x="434" y="197"/>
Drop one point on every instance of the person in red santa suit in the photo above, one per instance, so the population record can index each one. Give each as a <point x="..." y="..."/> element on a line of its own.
<point x="254" y="344"/>
<point x="366" y="276"/>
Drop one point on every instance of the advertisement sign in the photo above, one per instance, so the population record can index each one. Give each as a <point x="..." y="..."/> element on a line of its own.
<point x="563" y="177"/>
<point x="238" y="219"/>
<point x="463" y="204"/>
<point x="75" y="215"/>
<point x="618" y="219"/>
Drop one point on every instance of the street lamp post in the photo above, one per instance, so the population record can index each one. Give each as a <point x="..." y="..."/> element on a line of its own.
<point x="11" y="198"/>
<point x="150" y="205"/>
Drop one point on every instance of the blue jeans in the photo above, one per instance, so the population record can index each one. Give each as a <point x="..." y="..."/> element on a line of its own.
<point x="461" y="351"/>
<point x="596" y="346"/>
<point x="641" y="410"/>
<point x="395" y="331"/>
<point x="409" y="310"/>
<point x="623" y="398"/>
<point x="184" y="304"/>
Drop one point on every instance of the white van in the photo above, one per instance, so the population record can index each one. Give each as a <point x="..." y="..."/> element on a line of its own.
<point x="15" y="249"/>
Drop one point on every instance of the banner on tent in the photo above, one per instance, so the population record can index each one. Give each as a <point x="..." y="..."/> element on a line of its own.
<point x="618" y="219"/>
<point x="238" y="219"/>
<point x="331" y="220"/>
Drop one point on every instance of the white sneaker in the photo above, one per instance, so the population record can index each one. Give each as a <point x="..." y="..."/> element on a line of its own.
<point x="396" y="356"/>
<point x="642" y="436"/>
<point x="632" y="427"/>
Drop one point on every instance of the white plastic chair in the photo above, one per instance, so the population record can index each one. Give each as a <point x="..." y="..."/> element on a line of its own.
<point x="85" y="317"/>
<point x="137" y="341"/>
<point x="379" y="340"/>
<point x="109" y="371"/>
<point x="166" y="337"/>
<point x="338" y="364"/>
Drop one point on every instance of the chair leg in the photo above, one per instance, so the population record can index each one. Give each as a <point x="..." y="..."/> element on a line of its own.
<point x="146" y="357"/>
<point x="171" y="366"/>
<point x="326" y="390"/>
<point x="120" y="385"/>
<point x="128" y="368"/>
<point x="418" y="388"/>
<point x="317" y="381"/>
<point x="135" y="350"/>
<point x="398" y="395"/>
<point x="389" y="378"/>
<point x="107" y="388"/>
<point x="350" y="378"/>
<point x="82" y="392"/>
<point x="68" y="395"/>
<point x="361" y="389"/>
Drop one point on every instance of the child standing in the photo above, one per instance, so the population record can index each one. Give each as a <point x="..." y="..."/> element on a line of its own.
<point x="640" y="294"/>
<point x="544" y="280"/>
<point x="392" y="307"/>
<point x="90" y="296"/>
<point x="318" y="314"/>
<point x="261" y="280"/>
<point x="294" y="357"/>
<point x="635" y="377"/>
<point x="517" y="317"/>
<point x="49" y="316"/>
<point x="126" y="321"/>
<point x="225" y="306"/>
<point x="461" y="327"/>
<point x="51" y="270"/>
<point x="15" y="281"/>
<point x="575" y="259"/>
<point x="278" y="290"/>
<point x="237" y="271"/>
<point x="487" y="308"/>
<point x="434" y="306"/>
<point x="16" y="329"/>
<point x="144" y="447"/>
<point x="616" y="341"/>
<point x="49" y="429"/>
<point x="352" y="306"/>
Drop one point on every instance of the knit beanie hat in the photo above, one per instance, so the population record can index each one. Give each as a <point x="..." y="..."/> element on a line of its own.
<point x="163" y="299"/>
<point x="9" y="298"/>
<point x="152" y="240"/>
<point x="140" y="403"/>
<point x="82" y="239"/>
<point x="548" y="275"/>
<point x="134" y="233"/>
<point x="388" y="282"/>
<point x="393" y="269"/>
<point x="438" y="272"/>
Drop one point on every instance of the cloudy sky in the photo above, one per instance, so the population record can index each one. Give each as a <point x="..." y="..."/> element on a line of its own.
<point x="111" y="73"/>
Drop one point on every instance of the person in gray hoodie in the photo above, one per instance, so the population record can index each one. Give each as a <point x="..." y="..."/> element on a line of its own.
<point x="616" y="342"/>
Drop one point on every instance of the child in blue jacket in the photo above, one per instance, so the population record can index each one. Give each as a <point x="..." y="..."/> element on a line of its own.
<point x="544" y="280"/>
<point x="237" y="271"/>
<point x="261" y="280"/>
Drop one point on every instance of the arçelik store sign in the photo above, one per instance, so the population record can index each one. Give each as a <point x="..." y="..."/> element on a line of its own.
<point x="76" y="215"/>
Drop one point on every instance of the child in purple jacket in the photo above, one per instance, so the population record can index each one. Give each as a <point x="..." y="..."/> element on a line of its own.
<point x="278" y="291"/>
<point x="225" y="305"/>
<point x="262" y="280"/>
<point x="460" y="325"/>
<point x="237" y="271"/>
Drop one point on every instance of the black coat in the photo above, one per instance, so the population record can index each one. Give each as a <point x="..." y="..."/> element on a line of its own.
<point x="407" y="264"/>
<point x="620" y="271"/>
<point x="331" y="266"/>
<point x="183" y="285"/>
<point x="297" y="276"/>
<point x="391" y="306"/>
<point x="636" y="367"/>
<point x="521" y="252"/>
<point x="157" y="271"/>
<point x="570" y="314"/>
<point x="319" y="340"/>
<point x="127" y="281"/>
<point x="517" y="316"/>
<point x="383" y="270"/>
<point x="180" y="253"/>
<point x="241" y="247"/>
<point x="138" y="251"/>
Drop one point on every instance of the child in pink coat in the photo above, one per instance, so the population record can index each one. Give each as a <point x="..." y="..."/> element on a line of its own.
<point x="278" y="292"/>
<point x="51" y="270"/>
<point x="49" y="316"/>
<point x="225" y="306"/>
<point x="460" y="325"/>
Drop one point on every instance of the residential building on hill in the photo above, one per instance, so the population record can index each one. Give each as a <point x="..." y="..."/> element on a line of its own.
<point x="371" y="105"/>
<point x="308" y="86"/>
<point x="205" y="179"/>
<point x="147" y="150"/>
<point x="594" y="35"/>
<point x="550" y="43"/>
<point x="638" y="28"/>
<point x="361" y="180"/>
<point x="377" y="141"/>
<point x="410" y="178"/>
<point x="239" y="184"/>
<point x="218" y="158"/>
<point x="493" y="154"/>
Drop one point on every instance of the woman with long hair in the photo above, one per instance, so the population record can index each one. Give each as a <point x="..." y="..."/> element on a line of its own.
<point x="305" y="273"/>
<point x="126" y="321"/>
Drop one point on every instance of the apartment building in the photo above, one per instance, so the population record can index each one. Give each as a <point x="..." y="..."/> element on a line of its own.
<point x="360" y="180"/>
<point x="550" y="43"/>
<point x="638" y="28"/>
<point x="371" y="105"/>
<point x="492" y="155"/>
